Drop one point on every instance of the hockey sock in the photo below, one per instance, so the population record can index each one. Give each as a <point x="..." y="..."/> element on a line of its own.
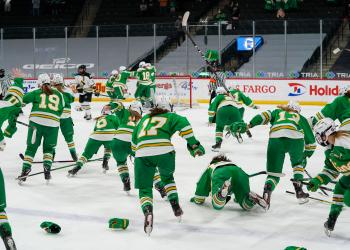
<point x="86" y="106"/>
<point x="82" y="160"/>
<point x="156" y="180"/>
<point x="273" y="181"/>
<point x="338" y="195"/>
<point x="217" y="201"/>
<point x="123" y="171"/>
<point x="171" y="191"/>
<point x="27" y="162"/>
<point x="48" y="160"/>
<point x="4" y="224"/>
<point x="71" y="147"/>
<point x="146" y="198"/>
<point x="247" y="204"/>
<point x="298" y="172"/>
<point x="107" y="153"/>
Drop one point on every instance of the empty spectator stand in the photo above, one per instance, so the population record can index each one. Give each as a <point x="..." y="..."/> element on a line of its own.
<point x="21" y="16"/>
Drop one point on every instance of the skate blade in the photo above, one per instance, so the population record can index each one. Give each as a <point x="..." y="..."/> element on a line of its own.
<point x="148" y="230"/>
<point x="127" y="192"/>
<point x="20" y="182"/>
<point x="104" y="171"/>
<point x="303" y="200"/>
<point x="47" y="182"/>
<point x="327" y="232"/>
<point x="179" y="218"/>
<point x="215" y="149"/>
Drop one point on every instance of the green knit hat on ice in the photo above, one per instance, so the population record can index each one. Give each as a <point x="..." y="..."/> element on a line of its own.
<point x="50" y="227"/>
<point x="116" y="223"/>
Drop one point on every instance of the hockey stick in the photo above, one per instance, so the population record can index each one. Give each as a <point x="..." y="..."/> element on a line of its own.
<point x="307" y="184"/>
<point x="39" y="162"/>
<point x="307" y="173"/>
<point x="32" y="127"/>
<point x="184" y="28"/>
<point x="54" y="169"/>
<point x="313" y="198"/>
<point x="268" y="173"/>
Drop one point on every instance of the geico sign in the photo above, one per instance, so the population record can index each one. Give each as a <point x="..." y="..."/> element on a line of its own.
<point x="258" y="89"/>
<point x="57" y="66"/>
<point x="323" y="91"/>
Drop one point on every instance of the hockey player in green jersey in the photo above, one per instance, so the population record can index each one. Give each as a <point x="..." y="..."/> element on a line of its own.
<point x="151" y="142"/>
<point x="290" y="133"/>
<point x="143" y="87"/>
<point x="152" y="70"/>
<point x="339" y="110"/>
<point x="10" y="108"/>
<point x="337" y="162"/>
<point x="223" y="111"/>
<point x="121" y="144"/>
<point x="44" y="121"/>
<point x="104" y="131"/>
<point x="116" y="84"/>
<point x="222" y="179"/>
<point x="66" y="122"/>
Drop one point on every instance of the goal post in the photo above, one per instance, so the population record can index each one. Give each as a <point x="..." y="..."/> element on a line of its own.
<point x="178" y="89"/>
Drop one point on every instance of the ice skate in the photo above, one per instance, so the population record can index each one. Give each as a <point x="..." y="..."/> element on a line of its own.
<point x="249" y="134"/>
<point x="329" y="224"/>
<point x="257" y="199"/>
<point x="126" y="183"/>
<point x="148" y="224"/>
<point x="176" y="209"/>
<point x="105" y="166"/>
<point x="216" y="147"/>
<point x="299" y="193"/>
<point x="47" y="174"/>
<point x="8" y="240"/>
<point x="73" y="171"/>
<point x="267" y="195"/>
<point x="22" y="178"/>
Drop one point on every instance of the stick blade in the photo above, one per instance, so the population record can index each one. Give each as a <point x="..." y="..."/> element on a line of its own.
<point x="185" y="18"/>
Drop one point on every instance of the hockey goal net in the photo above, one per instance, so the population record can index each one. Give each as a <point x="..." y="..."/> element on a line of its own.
<point x="178" y="89"/>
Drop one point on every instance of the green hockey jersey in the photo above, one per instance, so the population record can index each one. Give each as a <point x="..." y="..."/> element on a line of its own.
<point x="143" y="76"/>
<point x="15" y="93"/>
<point x="105" y="128"/>
<point x="152" y="71"/>
<point x="219" y="102"/>
<point x="241" y="98"/>
<point x="46" y="109"/>
<point x="152" y="135"/>
<point x="68" y="100"/>
<point x="126" y="127"/>
<point x="287" y="124"/>
<point x="116" y="86"/>
<point x="337" y="160"/>
<point x="339" y="110"/>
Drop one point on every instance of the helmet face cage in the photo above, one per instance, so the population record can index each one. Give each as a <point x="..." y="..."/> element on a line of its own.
<point x="82" y="68"/>
<point x="294" y="106"/>
<point x="136" y="106"/>
<point x="322" y="139"/>
<point x="323" y="129"/>
<point x="106" y="110"/>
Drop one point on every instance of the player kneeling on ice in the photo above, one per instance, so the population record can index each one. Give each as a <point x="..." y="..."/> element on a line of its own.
<point x="337" y="162"/>
<point x="151" y="142"/>
<point x="223" y="179"/>
<point x="290" y="133"/>
<point x="223" y="111"/>
<point x="44" y="121"/>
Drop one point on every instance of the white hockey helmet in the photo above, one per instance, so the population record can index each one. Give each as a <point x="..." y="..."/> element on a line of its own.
<point x="163" y="101"/>
<point x="57" y="79"/>
<point x="344" y="89"/>
<point x="106" y="110"/>
<point x="136" y="106"/>
<point x="293" y="105"/>
<point x="114" y="72"/>
<point x="43" y="79"/>
<point x="323" y="129"/>
<point x="142" y="64"/>
<point x="148" y="65"/>
<point x="220" y="90"/>
<point x="122" y="68"/>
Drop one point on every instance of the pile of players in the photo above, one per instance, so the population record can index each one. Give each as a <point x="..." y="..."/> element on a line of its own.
<point x="128" y="131"/>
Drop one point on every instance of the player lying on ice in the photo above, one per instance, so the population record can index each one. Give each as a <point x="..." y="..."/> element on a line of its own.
<point x="337" y="162"/>
<point x="222" y="179"/>
<point x="290" y="133"/>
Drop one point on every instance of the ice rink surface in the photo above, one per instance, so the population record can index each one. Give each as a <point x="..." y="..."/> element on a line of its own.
<point x="83" y="205"/>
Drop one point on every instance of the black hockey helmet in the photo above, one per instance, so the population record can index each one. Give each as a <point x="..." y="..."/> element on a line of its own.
<point x="82" y="68"/>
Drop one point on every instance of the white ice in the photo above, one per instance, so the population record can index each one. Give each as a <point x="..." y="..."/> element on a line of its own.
<point x="83" y="205"/>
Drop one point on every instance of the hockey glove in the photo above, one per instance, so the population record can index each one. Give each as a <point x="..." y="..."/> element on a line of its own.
<point x="314" y="184"/>
<point x="196" y="149"/>
<point x="239" y="127"/>
<point x="50" y="227"/>
<point x="80" y="88"/>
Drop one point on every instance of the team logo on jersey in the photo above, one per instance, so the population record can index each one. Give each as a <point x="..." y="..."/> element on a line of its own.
<point x="297" y="89"/>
